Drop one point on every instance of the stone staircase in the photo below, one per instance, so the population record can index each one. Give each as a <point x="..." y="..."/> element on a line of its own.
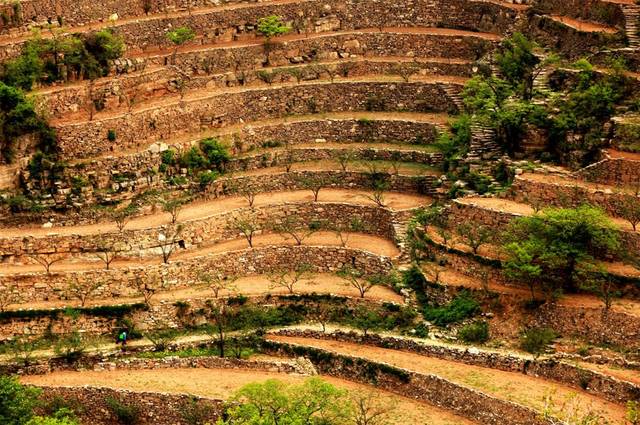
<point x="400" y="230"/>
<point x="632" y="19"/>
<point x="454" y="94"/>
<point x="483" y="144"/>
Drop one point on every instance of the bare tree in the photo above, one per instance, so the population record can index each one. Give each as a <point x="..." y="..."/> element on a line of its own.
<point x="217" y="282"/>
<point x="147" y="287"/>
<point x="47" y="260"/>
<point x="82" y="288"/>
<point x="248" y="191"/>
<point x="321" y="313"/>
<point x="169" y="240"/>
<point x="289" y="279"/>
<point x="405" y="70"/>
<point x="378" y="194"/>
<point x="219" y="317"/>
<point x="474" y="235"/>
<point x="173" y="207"/>
<point x="344" y="158"/>
<point x="369" y="409"/>
<point x="343" y="235"/>
<point x="293" y="226"/>
<point x="314" y="183"/>
<point x="247" y="225"/>
<point x="357" y="279"/>
<point x="288" y="157"/>
<point x="90" y="103"/>
<point x="107" y="251"/>
<point x="9" y="294"/>
<point x="121" y="218"/>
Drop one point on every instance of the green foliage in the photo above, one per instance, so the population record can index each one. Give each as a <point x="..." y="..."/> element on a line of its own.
<point x="554" y="249"/>
<point x="474" y="332"/>
<point x="16" y="401"/>
<point x="40" y="420"/>
<point x="315" y="402"/>
<point x="70" y="347"/>
<point x="272" y="26"/>
<point x="517" y="62"/>
<point x="18" y="118"/>
<point x="127" y="414"/>
<point x="181" y="35"/>
<point x="460" y="308"/>
<point x="111" y="135"/>
<point x="536" y="340"/>
<point x="215" y="152"/>
<point x="193" y="159"/>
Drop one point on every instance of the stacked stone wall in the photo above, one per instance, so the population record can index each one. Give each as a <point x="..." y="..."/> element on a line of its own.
<point x="225" y="23"/>
<point x="212" y="229"/>
<point x="613" y="171"/>
<point x="604" y="12"/>
<point x="148" y="125"/>
<point x="602" y="385"/>
<point x="120" y="282"/>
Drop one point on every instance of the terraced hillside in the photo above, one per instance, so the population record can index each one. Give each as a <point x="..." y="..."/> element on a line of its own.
<point x="431" y="206"/>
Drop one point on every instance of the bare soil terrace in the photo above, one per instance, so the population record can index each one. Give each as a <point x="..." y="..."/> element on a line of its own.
<point x="222" y="383"/>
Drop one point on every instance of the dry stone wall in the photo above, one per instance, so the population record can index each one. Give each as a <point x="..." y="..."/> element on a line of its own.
<point x="142" y="127"/>
<point x="462" y="212"/>
<point x="213" y="229"/>
<point x="225" y="24"/>
<point x="139" y="169"/>
<point x="562" y="195"/>
<point x="155" y="408"/>
<point x="613" y="171"/>
<point x="602" y="385"/>
<point x="119" y="282"/>
<point x="234" y="66"/>
<point x="604" y="12"/>
<point x="464" y="401"/>
<point x="160" y="315"/>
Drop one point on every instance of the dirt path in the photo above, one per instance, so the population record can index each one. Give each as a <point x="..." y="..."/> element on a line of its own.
<point x="373" y="244"/>
<point x="617" y="372"/>
<point x="202" y="210"/>
<point x="568" y="181"/>
<point x="321" y="283"/>
<point x="585" y="26"/>
<point x="632" y="156"/>
<point x="222" y="383"/>
<point x="522" y="389"/>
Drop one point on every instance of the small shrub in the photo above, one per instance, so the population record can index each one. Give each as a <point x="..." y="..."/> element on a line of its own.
<point x="460" y="308"/>
<point x="536" y="340"/>
<point x="111" y="135"/>
<point x="127" y="414"/>
<point x="475" y="332"/>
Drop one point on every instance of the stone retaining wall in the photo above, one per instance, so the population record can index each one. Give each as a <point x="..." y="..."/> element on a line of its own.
<point x="185" y="273"/>
<point x="596" y="383"/>
<point x="604" y="12"/>
<point x="223" y="24"/>
<point x="498" y="220"/>
<point x="433" y="389"/>
<point x="525" y="190"/>
<point x="162" y="314"/>
<point x="345" y="54"/>
<point x="213" y="229"/>
<point x="145" y="126"/>
<point x="612" y="171"/>
<point x="569" y="41"/>
<point x="155" y="408"/>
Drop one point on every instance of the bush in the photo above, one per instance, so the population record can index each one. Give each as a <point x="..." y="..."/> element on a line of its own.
<point x="216" y="153"/>
<point x="475" y="332"/>
<point x="460" y="308"/>
<point x="127" y="414"/>
<point x="16" y="401"/>
<point x="536" y="340"/>
<point x="111" y="135"/>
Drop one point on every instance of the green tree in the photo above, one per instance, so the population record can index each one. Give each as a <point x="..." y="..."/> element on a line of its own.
<point x="517" y="62"/>
<point x="272" y="26"/>
<point x="555" y="248"/>
<point x="272" y="402"/>
<point x="178" y="37"/>
<point x="16" y="401"/>
<point x="536" y="340"/>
